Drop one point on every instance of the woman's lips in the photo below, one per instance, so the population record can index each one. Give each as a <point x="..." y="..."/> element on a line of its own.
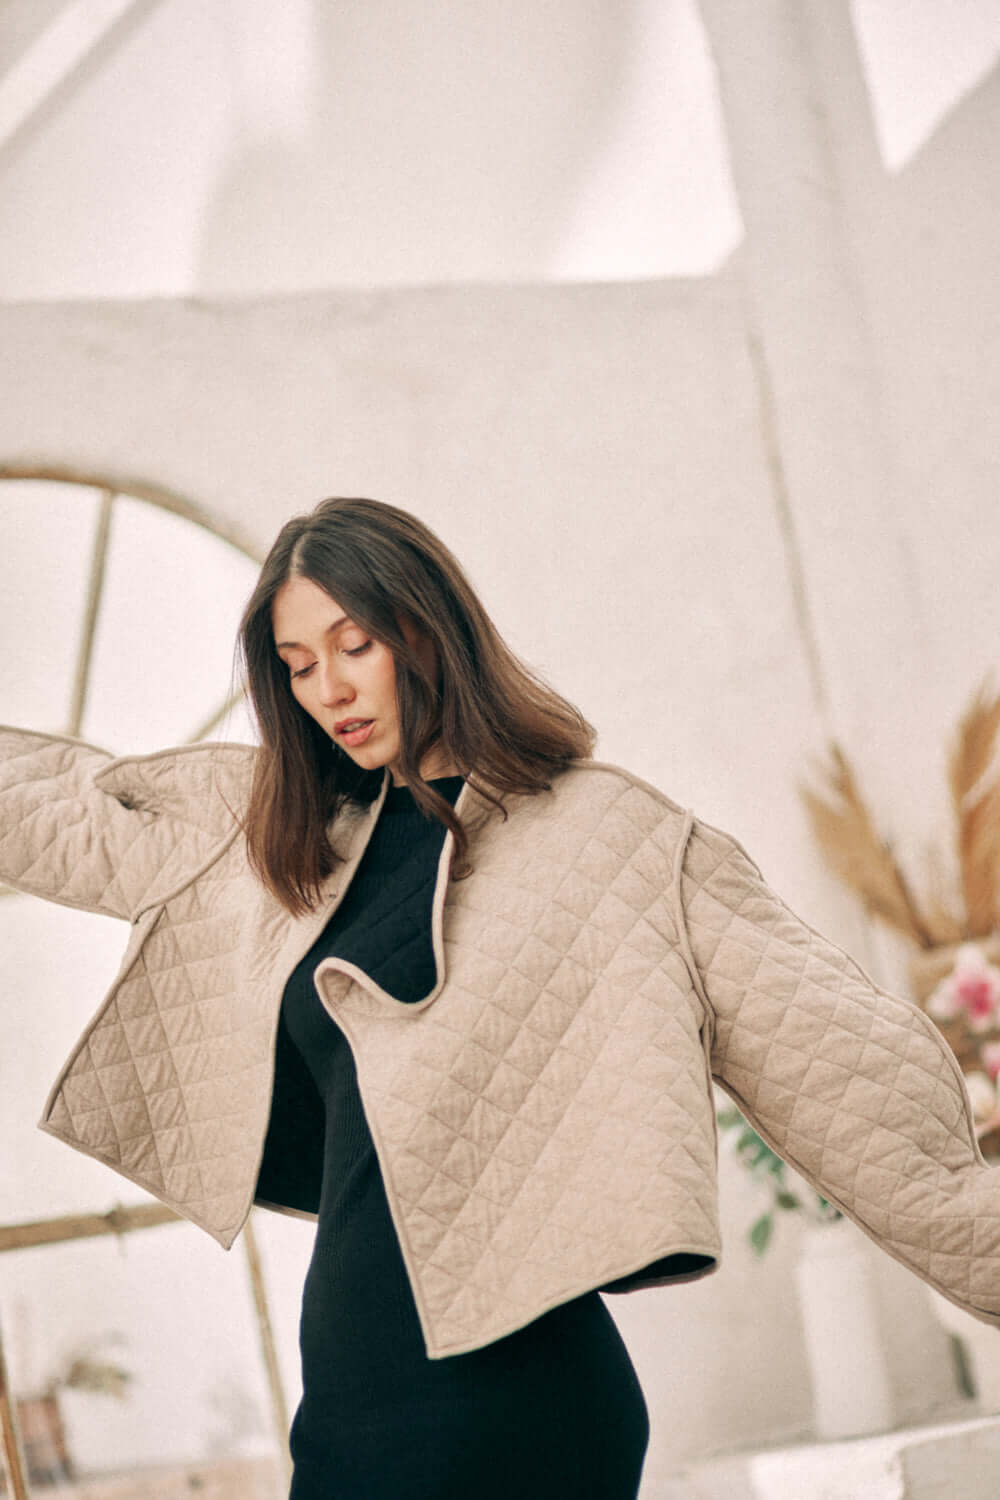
<point x="357" y="736"/>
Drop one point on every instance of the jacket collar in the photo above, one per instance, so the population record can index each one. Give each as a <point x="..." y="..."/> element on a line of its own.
<point x="334" y="976"/>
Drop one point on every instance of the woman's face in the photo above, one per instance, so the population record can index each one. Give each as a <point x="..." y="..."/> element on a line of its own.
<point x="341" y="676"/>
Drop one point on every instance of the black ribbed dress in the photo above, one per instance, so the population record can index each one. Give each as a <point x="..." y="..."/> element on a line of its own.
<point x="553" y="1411"/>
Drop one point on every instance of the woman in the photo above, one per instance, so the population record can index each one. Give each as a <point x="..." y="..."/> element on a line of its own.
<point x="420" y="968"/>
<point x="362" y="620"/>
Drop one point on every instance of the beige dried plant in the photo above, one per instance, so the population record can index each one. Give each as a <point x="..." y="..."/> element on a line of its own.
<point x="847" y="835"/>
<point x="942" y="901"/>
<point x="975" y="793"/>
<point x="846" y="832"/>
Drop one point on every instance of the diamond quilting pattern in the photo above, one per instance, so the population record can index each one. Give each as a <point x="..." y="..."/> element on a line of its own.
<point x="170" y="1082"/>
<point x="66" y="838"/>
<point x="853" y="1086"/>
<point x="581" y="1053"/>
<point x="545" y="1124"/>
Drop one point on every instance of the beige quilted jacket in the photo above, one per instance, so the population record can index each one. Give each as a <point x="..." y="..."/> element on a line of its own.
<point x="544" y="1118"/>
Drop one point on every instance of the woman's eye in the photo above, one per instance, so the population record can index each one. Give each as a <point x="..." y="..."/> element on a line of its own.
<point x="347" y="651"/>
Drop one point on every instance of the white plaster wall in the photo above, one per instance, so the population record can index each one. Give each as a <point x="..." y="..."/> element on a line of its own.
<point x="236" y="146"/>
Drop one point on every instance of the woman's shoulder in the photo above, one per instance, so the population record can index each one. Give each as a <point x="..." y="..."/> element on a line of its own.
<point x="598" y="798"/>
<point x="592" y="812"/>
<point x="585" y="779"/>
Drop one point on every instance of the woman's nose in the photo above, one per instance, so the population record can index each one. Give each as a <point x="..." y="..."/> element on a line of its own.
<point x="334" y="687"/>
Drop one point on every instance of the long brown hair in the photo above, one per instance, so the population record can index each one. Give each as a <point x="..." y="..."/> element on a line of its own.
<point x="502" y="728"/>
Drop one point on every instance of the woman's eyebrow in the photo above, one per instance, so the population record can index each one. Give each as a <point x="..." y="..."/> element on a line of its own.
<point x="297" y="646"/>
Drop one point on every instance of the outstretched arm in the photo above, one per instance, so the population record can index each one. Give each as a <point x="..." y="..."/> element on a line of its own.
<point x="854" y="1087"/>
<point x="106" y="835"/>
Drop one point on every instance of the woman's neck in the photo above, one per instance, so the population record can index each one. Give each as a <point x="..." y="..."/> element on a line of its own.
<point x="435" y="764"/>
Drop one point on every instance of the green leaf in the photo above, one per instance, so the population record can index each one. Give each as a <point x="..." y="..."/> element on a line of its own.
<point x="786" y="1199"/>
<point x="760" y="1233"/>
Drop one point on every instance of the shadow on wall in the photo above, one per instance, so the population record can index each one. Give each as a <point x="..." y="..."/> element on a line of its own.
<point x="398" y="166"/>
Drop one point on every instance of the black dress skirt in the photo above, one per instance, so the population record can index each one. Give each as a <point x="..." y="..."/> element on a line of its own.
<point x="551" y="1412"/>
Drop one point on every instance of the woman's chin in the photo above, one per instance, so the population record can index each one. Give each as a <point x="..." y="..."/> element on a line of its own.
<point x="366" y="757"/>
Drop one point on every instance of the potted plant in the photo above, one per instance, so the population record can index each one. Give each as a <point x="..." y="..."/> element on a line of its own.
<point x="767" y="1168"/>
<point x="850" y="1384"/>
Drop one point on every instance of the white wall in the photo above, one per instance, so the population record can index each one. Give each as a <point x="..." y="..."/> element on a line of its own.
<point x="236" y="146"/>
<point x="241" y="147"/>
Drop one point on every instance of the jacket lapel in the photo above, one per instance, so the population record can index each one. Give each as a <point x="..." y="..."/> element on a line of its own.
<point x="336" y="976"/>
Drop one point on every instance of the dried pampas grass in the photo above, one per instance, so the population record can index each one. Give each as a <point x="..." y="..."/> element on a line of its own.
<point x="864" y="861"/>
<point x="975" y="793"/>
<point x="846" y="832"/>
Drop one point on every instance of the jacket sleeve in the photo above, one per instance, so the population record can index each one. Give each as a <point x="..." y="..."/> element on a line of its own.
<point x="70" y="830"/>
<point x="853" y="1087"/>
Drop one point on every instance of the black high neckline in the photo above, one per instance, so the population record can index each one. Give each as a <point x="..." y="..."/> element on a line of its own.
<point x="399" y="799"/>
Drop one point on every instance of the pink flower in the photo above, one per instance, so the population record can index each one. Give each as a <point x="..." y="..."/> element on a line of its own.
<point x="971" y="989"/>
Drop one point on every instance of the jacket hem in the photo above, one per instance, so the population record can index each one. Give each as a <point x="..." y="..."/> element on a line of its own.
<point x="444" y="1349"/>
<point x="223" y="1237"/>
